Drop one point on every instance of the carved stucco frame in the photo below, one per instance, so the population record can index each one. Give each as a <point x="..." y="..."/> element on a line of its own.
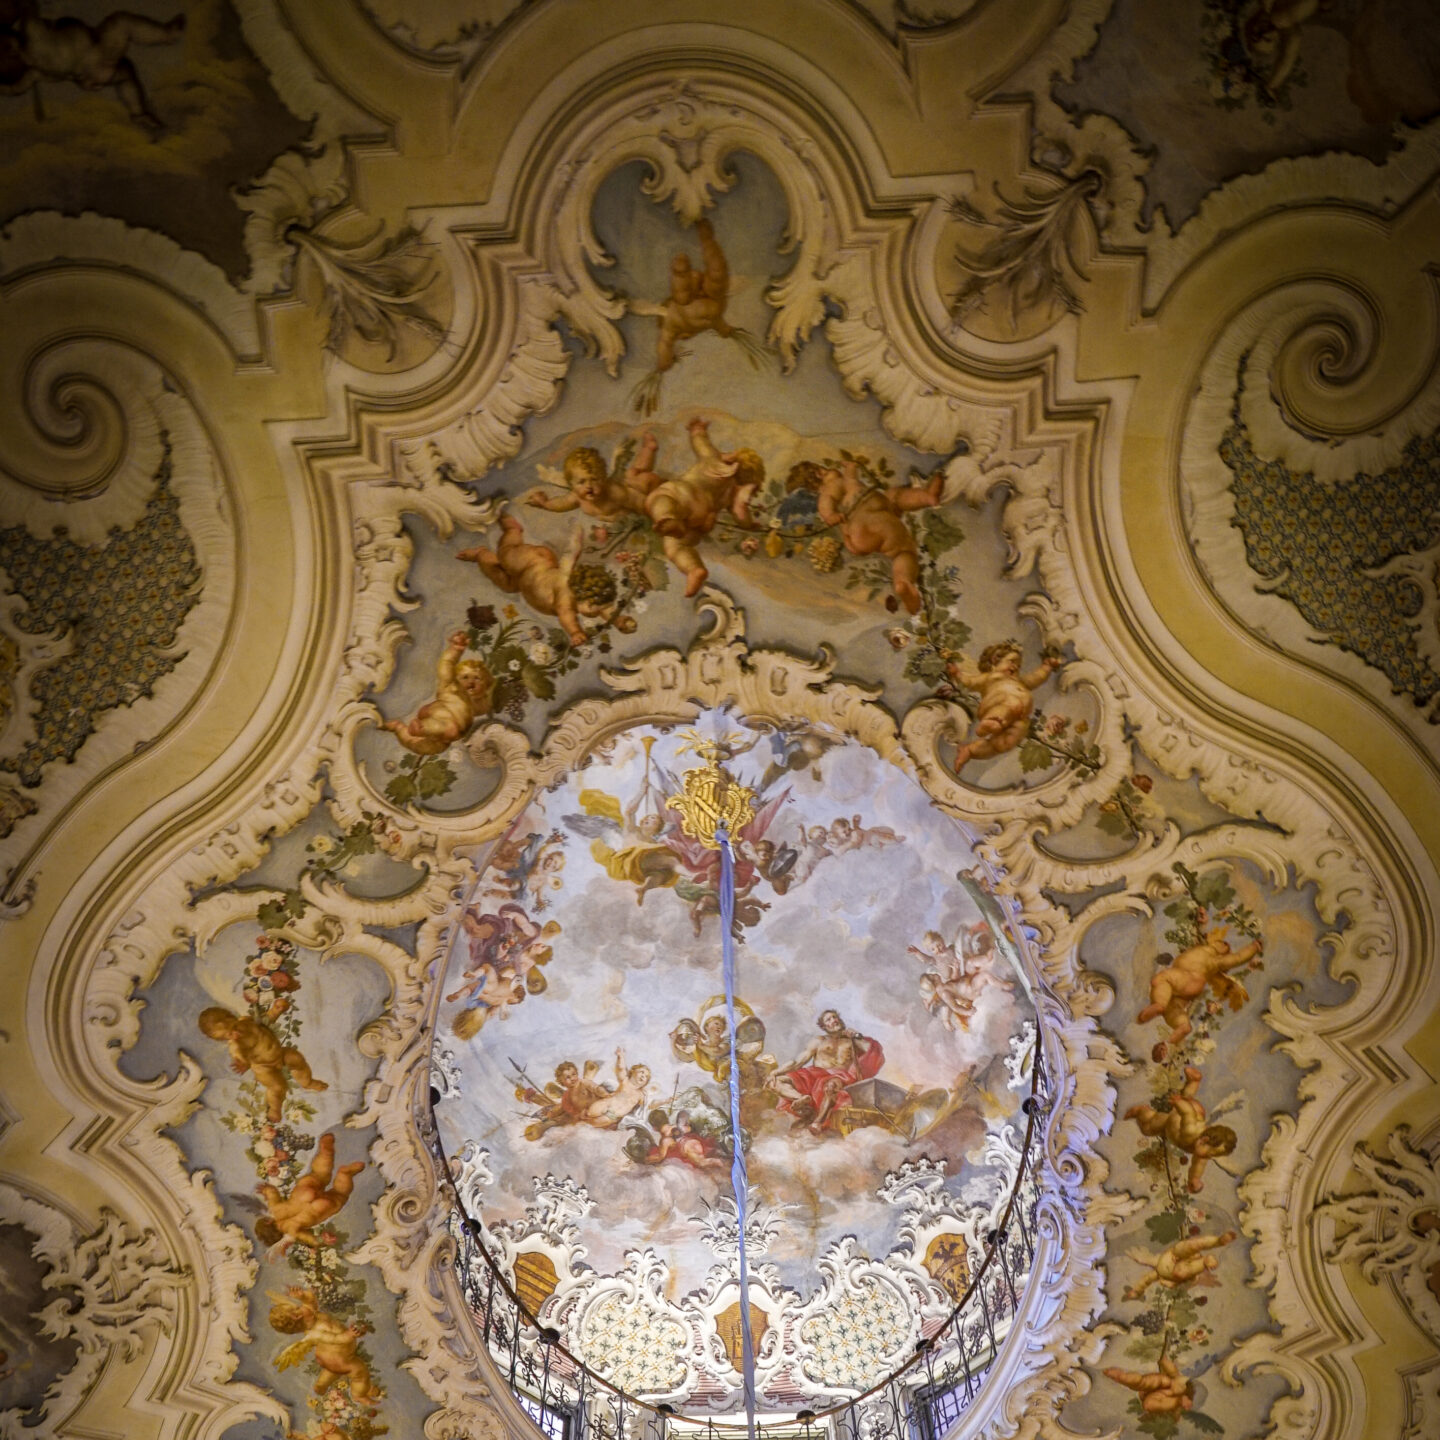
<point x="852" y="259"/>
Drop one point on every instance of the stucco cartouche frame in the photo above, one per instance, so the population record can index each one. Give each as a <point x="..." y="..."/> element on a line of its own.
<point x="1315" y="845"/>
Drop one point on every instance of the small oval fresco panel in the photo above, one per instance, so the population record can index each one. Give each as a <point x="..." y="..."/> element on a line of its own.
<point x="883" y="1019"/>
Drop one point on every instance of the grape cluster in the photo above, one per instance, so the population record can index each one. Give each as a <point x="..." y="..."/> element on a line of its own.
<point x="824" y="553"/>
<point x="593" y="585"/>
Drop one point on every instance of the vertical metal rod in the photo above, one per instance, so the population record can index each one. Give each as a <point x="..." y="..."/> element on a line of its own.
<point x="738" y="1177"/>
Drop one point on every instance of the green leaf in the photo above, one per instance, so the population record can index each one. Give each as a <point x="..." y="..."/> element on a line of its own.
<point x="433" y="777"/>
<point x="1034" y="756"/>
<point x="1201" y="1421"/>
<point x="1213" y="891"/>
<point x="1167" y="1227"/>
<point x="402" y="788"/>
<point x="657" y="573"/>
<point x="1146" y="1348"/>
<point x="537" y="682"/>
<point x="940" y="533"/>
<point x="1162" y="1427"/>
<point x="1113" y="822"/>
<point x="273" y="914"/>
<point x="955" y="635"/>
<point x="925" y="666"/>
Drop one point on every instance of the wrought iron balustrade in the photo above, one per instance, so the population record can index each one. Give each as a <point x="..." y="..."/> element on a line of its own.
<point x="921" y="1400"/>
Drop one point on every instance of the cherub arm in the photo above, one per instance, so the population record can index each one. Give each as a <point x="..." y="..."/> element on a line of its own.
<point x="543" y="500"/>
<point x="828" y="500"/>
<point x="700" y="440"/>
<point x="449" y="659"/>
<point x="740" y="505"/>
<point x="966" y="673"/>
<point x="1034" y="679"/>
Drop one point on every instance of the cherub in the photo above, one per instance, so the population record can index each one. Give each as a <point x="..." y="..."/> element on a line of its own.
<point x="333" y="1343"/>
<point x="90" y="56"/>
<point x="1270" y="36"/>
<point x="1183" y="1125"/>
<point x="946" y="999"/>
<point x="530" y="866"/>
<point x="696" y="303"/>
<point x="1178" y="1265"/>
<point x="1184" y="979"/>
<point x="494" y="989"/>
<point x="814" y="844"/>
<point x="870" y="517"/>
<point x="1006" y="703"/>
<point x="317" y="1196"/>
<point x="625" y="1097"/>
<point x="981" y="960"/>
<point x="679" y="1140"/>
<point x="255" y="1047"/>
<point x="851" y="834"/>
<point x="547" y="581"/>
<point x="592" y="488"/>
<point x="946" y="990"/>
<point x="1163" y="1392"/>
<point x="463" y="690"/>
<point x="775" y="863"/>
<point x="564" y="1101"/>
<point x="684" y="510"/>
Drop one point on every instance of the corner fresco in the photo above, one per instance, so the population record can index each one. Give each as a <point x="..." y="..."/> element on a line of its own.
<point x="1213" y="89"/>
<point x="151" y="113"/>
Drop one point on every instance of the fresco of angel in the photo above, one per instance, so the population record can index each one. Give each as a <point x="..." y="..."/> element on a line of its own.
<point x="1186" y="1126"/>
<point x="553" y="585"/>
<point x="1182" y="980"/>
<point x="332" y="1343"/>
<point x="94" y="57"/>
<point x="852" y="834"/>
<point x="1180" y="1264"/>
<point x="685" y="508"/>
<point x="794" y="748"/>
<point x="871" y="517"/>
<point x="526" y="869"/>
<point x="317" y="1196"/>
<point x="603" y="492"/>
<point x="566" y="1100"/>
<point x="696" y="303"/>
<point x="705" y="1040"/>
<point x="1002" y="716"/>
<point x="624" y="1097"/>
<point x="689" y="1131"/>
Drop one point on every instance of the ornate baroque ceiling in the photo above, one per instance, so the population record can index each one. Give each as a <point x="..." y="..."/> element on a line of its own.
<point x="1027" y="481"/>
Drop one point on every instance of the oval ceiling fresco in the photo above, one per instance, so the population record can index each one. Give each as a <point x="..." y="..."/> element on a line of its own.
<point x="885" y="1035"/>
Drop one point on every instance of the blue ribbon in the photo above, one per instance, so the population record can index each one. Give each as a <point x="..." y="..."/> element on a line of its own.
<point x="738" y="1178"/>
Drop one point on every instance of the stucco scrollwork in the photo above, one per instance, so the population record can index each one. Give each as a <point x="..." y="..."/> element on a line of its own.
<point x="115" y="1284"/>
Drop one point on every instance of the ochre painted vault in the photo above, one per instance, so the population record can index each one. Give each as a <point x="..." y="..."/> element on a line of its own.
<point x="1000" y="439"/>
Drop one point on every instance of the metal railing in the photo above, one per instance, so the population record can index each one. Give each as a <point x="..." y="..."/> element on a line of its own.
<point x="920" y="1400"/>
